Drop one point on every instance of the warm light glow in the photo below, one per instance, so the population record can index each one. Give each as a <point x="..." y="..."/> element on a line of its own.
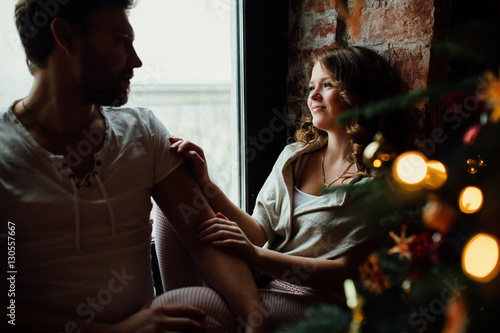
<point x="470" y="200"/>
<point x="350" y="294"/>
<point x="436" y="175"/>
<point x="385" y="157"/>
<point x="410" y="167"/>
<point x="377" y="163"/>
<point x="480" y="258"/>
<point x="370" y="151"/>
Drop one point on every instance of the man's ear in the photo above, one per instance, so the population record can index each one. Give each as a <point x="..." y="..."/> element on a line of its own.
<point x="64" y="34"/>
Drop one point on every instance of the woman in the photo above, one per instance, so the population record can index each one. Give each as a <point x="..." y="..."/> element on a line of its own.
<point x="301" y="242"/>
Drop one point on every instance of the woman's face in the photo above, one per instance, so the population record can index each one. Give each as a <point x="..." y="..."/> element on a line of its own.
<point x="324" y="101"/>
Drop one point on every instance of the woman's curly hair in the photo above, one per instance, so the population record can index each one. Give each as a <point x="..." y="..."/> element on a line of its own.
<point x="362" y="76"/>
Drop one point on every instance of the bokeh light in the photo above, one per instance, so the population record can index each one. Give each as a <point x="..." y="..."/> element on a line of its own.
<point x="480" y="258"/>
<point x="470" y="200"/>
<point x="410" y="168"/>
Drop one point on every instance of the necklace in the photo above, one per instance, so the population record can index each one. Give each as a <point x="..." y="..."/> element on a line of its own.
<point x="51" y="131"/>
<point x="323" y="170"/>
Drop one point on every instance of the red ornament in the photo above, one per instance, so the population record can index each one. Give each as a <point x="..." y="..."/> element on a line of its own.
<point x="471" y="134"/>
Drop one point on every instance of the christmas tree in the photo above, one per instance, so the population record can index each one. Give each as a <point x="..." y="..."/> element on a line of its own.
<point x="439" y="271"/>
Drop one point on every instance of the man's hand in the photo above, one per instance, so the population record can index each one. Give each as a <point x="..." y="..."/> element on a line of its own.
<point x="166" y="318"/>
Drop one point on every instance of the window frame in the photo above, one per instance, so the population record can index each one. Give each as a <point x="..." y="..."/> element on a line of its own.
<point x="263" y="99"/>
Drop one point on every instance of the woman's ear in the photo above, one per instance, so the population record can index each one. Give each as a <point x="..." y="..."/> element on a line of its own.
<point x="63" y="34"/>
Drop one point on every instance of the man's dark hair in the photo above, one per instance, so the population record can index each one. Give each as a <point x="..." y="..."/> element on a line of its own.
<point x="34" y="17"/>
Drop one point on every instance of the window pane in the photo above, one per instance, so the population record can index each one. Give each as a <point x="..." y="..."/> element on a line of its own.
<point x="188" y="79"/>
<point x="15" y="79"/>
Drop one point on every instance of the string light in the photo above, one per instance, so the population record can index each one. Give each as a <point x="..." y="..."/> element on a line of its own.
<point x="377" y="163"/>
<point x="470" y="200"/>
<point x="480" y="258"/>
<point x="410" y="168"/>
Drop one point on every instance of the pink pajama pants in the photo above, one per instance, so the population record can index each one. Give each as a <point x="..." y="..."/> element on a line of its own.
<point x="286" y="302"/>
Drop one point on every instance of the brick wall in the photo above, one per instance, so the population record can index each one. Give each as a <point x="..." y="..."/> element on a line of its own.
<point x="400" y="30"/>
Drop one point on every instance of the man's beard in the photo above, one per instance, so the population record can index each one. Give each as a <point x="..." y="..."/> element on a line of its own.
<point x="105" y="93"/>
<point x="99" y="84"/>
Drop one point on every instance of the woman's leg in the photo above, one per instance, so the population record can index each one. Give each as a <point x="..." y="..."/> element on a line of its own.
<point x="287" y="304"/>
<point x="177" y="269"/>
<point x="219" y="317"/>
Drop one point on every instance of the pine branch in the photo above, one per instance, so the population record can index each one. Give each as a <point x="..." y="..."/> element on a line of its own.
<point x="403" y="101"/>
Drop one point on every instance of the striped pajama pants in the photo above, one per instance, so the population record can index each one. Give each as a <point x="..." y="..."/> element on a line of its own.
<point x="287" y="303"/>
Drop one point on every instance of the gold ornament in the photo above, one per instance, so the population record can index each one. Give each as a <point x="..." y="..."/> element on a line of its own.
<point x="474" y="164"/>
<point x="438" y="216"/>
<point x="402" y="243"/>
<point x="372" y="276"/>
<point x="377" y="152"/>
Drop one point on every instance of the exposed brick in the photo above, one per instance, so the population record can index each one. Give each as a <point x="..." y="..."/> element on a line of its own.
<point x="398" y="22"/>
<point x="318" y="5"/>
<point x="412" y="61"/>
<point x="322" y="27"/>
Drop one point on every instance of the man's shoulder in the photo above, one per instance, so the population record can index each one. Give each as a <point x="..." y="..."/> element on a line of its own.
<point x="5" y="115"/>
<point x="123" y="110"/>
<point x="128" y="114"/>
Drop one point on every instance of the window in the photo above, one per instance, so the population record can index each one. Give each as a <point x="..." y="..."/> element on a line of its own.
<point x="189" y="74"/>
<point x="15" y="79"/>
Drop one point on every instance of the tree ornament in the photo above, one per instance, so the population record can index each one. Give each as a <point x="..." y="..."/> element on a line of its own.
<point x="456" y="316"/>
<point x="378" y="152"/>
<point x="471" y="134"/>
<point x="402" y="243"/>
<point x="474" y="164"/>
<point x="438" y="215"/>
<point x="372" y="277"/>
<point x="406" y="286"/>
<point x="490" y="93"/>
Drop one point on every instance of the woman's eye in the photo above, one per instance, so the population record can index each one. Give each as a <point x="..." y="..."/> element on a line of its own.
<point x="328" y="85"/>
<point x="311" y="88"/>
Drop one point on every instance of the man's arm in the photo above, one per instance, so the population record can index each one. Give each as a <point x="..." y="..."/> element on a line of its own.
<point x="184" y="204"/>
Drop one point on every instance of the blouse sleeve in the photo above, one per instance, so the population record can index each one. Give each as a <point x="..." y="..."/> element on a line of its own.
<point x="272" y="207"/>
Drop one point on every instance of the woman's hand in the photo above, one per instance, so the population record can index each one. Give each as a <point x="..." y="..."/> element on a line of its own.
<point x="224" y="233"/>
<point x="196" y="156"/>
